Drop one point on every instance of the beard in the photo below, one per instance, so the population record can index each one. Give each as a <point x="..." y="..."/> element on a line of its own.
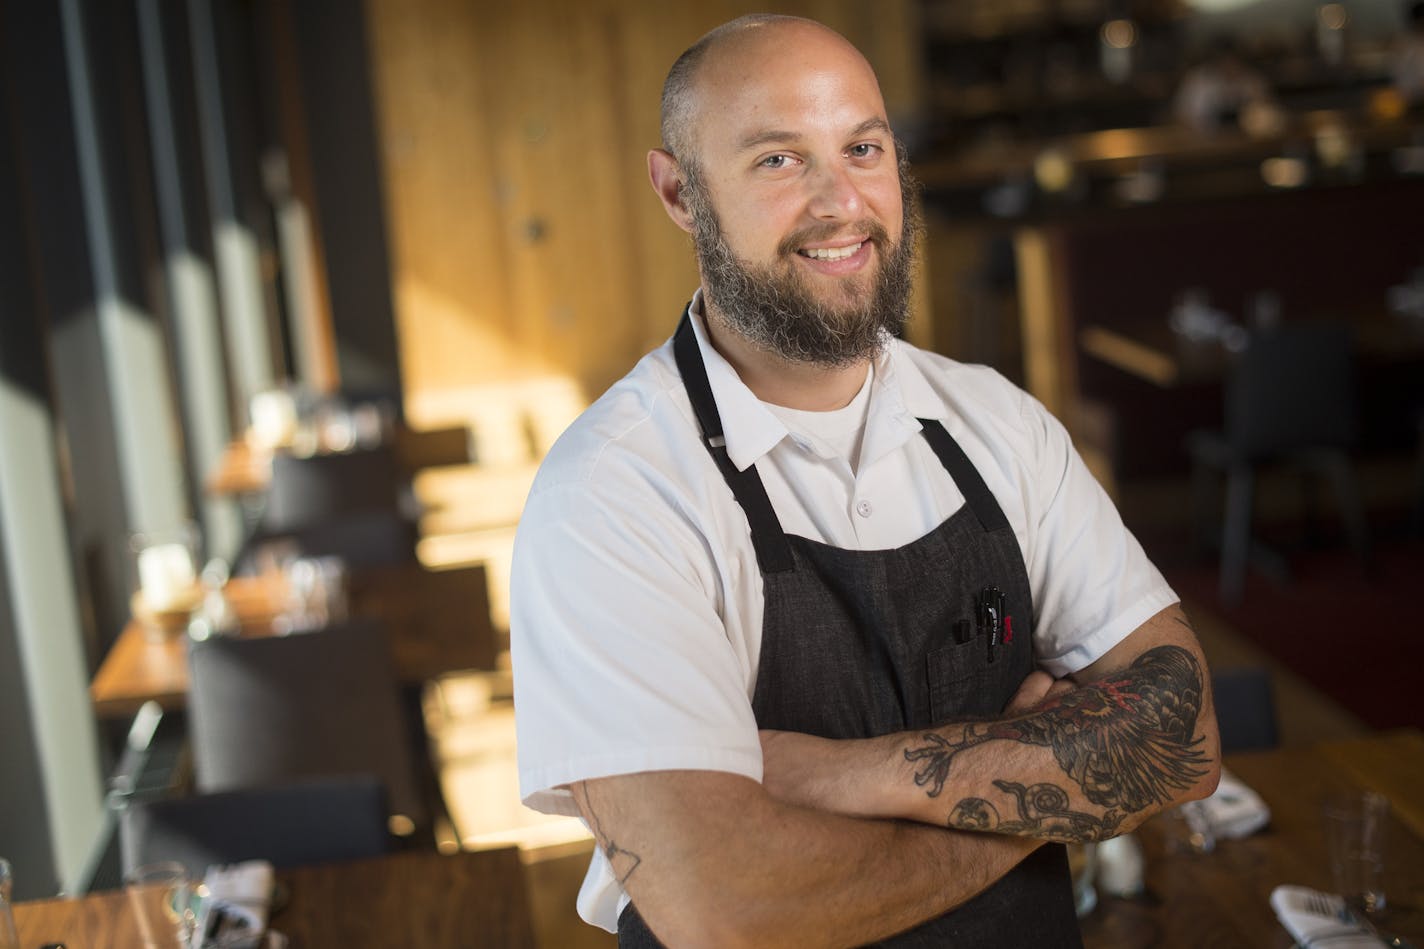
<point x="773" y="307"/>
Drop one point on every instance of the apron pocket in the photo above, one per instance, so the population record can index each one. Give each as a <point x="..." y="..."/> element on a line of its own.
<point x="960" y="682"/>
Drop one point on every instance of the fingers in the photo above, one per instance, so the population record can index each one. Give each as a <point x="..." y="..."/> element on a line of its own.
<point x="1038" y="687"/>
<point x="1031" y="691"/>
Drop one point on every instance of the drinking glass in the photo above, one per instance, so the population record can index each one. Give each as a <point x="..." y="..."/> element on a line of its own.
<point x="161" y="898"/>
<point x="1354" y="838"/>
<point x="9" y="936"/>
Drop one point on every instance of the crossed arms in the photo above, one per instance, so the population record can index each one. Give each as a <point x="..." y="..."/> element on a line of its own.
<point x="846" y="842"/>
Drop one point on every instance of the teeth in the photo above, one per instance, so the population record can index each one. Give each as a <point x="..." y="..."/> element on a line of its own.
<point x="833" y="253"/>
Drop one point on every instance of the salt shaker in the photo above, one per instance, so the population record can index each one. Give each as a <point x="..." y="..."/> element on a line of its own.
<point x="1120" y="865"/>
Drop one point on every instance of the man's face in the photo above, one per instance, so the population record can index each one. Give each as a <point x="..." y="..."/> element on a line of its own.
<point x="774" y="308"/>
<point x="798" y="199"/>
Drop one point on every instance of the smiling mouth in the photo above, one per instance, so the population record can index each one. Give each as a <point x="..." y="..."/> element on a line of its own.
<point x="831" y="253"/>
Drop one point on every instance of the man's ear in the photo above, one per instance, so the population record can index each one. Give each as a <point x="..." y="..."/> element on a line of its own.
<point x="666" y="177"/>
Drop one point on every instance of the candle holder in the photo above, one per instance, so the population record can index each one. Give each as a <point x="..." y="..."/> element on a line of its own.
<point x="166" y="588"/>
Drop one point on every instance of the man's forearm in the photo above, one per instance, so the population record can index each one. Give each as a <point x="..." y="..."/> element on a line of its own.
<point x="1085" y="764"/>
<point x="751" y="870"/>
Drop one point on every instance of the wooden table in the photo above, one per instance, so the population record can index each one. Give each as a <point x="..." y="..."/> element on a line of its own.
<point x="244" y="469"/>
<point x="438" y="621"/>
<point x="1221" y="899"/>
<point x="429" y="900"/>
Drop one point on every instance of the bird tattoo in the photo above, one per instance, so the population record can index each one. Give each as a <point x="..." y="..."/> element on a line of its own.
<point x="1127" y="741"/>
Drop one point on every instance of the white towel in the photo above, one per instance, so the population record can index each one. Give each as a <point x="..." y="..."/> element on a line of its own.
<point x="1234" y="810"/>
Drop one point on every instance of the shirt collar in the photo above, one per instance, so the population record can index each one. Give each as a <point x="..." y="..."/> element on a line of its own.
<point x="899" y="397"/>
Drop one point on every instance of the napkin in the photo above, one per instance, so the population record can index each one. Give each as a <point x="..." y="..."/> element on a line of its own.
<point x="1313" y="917"/>
<point x="1234" y="810"/>
<point x="234" y="911"/>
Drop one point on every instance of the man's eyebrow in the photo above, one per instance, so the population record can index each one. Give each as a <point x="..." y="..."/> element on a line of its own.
<point x="778" y="136"/>
<point x="876" y="124"/>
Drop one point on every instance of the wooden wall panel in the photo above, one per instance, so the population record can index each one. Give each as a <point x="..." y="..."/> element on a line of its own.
<point x="525" y="239"/>
<point x="449" y="261"/>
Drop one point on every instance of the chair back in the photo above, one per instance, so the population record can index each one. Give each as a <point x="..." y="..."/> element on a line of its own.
<point x="289" y="825"/>
<point x="1291" y="389"/>
<point x="318" y="489"/>
<point x="1245" y="709"/>
<point x="276" y="708"/>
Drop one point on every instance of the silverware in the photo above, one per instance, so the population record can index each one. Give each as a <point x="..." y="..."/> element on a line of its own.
<point x="1323" y="905"/>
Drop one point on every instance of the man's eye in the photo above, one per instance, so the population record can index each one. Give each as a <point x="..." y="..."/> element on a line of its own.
<point x="864" y="150"/>
<point x="775" y="161"/>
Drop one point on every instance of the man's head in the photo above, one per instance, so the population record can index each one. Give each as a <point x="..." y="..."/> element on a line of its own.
<point x="779" y="160"/>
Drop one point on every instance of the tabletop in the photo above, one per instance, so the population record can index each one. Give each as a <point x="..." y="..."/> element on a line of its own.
<point x="1221" y="899"/>
<point x="438" y="621"/>
<point x="430" y="900"/>
<point x="246" y="469"/>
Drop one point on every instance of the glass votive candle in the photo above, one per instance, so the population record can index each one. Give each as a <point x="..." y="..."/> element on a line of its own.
<point x="166" y="585"/>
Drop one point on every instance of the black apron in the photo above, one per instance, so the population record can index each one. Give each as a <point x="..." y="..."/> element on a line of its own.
<point x="862" y="643"/>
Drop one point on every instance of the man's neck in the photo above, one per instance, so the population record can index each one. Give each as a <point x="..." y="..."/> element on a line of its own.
<point x="772" y="379"/>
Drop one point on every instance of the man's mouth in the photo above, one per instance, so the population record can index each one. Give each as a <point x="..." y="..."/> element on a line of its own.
<point x="831" y="253"/>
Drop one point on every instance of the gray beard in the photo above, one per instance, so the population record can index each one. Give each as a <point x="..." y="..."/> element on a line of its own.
<point x="773" y="309"/>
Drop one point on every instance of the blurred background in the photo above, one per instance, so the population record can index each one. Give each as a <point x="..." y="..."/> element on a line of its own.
<point x="234" y="232"/>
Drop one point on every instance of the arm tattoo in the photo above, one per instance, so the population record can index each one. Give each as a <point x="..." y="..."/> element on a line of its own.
<point x="1043" y="812"/>
<point x="1128" y="741"/>
<point x="623" y="862"/>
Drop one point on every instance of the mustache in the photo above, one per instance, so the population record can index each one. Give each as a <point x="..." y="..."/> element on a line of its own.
<point x="872" y="230"/>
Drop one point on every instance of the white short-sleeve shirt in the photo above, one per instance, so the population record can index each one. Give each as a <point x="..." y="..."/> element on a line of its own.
<point x="636" y="604"/>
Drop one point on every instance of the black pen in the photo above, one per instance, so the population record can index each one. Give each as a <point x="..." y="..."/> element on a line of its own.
<point x="991" y="618"/>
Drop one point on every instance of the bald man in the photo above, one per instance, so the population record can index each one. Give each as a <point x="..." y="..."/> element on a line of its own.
<point x="830" y="640"/>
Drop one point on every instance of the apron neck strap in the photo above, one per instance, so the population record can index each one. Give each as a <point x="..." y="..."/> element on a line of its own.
<point x="976" y="493"/>
<point x="773" y="551"/>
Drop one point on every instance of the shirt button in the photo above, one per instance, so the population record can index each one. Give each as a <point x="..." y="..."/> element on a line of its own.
<point x="863" y="508"/>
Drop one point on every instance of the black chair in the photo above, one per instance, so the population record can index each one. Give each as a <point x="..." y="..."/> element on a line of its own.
<point x="1289" y="399"/>
<point x="349" y="505"/>
<point x="272" y="709"/>
<point x="289" y="825"/>
<point x="306" y="491"/>
<point x="1245" y="709"/>
<point x="1417" y="522"/>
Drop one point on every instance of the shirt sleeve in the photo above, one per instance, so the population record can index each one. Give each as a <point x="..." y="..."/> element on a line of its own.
<point x="1093" y="583"/>
<point x="621" y="659"/>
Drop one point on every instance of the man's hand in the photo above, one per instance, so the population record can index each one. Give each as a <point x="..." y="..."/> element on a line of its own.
<point x="1038" y="687"/>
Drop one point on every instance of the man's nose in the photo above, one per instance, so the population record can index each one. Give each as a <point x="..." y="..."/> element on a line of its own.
<point x="834" y="193"/>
